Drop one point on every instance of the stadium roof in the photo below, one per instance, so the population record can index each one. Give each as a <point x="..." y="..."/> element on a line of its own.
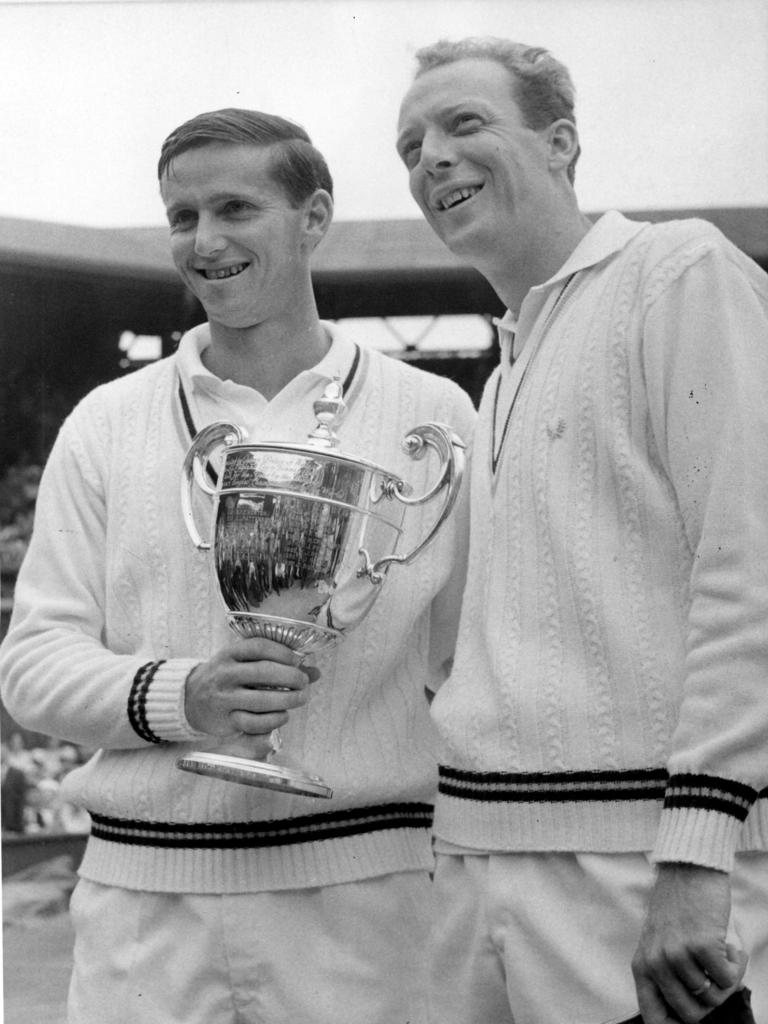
<point x="377" y="256"/>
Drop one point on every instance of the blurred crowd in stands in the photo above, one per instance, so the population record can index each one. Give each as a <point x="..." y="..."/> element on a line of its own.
<point x="18" y="491"/>
<point x="31" y="800"/>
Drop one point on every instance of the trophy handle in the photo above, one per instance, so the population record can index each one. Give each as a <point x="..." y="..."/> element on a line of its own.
<point x="215" y="435"/>
<point x="451" y="450"/>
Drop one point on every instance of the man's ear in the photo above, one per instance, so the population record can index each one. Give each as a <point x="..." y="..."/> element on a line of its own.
<point x="563" y="141"/>
<point x="318" y="210"/>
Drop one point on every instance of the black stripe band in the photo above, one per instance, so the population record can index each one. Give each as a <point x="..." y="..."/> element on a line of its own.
<point x="710" y="793"/>
<point x="712" y="783"/>
<point x="553" y="795"/>
<point x="192" y="431"/>
<point x="553" y="787"/>
<point x="352" y="371"/>
<point x="261" y="834"/>
<point x="694" y="790"/>
<point x="137" y="701"/>
<point x="190" y="423"/>
<point x="638" y="775"/>
<point x="707" y="803"/>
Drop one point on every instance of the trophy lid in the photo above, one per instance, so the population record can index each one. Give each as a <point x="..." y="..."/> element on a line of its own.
<point x="328" y="410"/>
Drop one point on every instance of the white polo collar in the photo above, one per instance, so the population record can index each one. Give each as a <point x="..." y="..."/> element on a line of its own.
<point x="608" y="235"/>
<point x="338" y="361"/>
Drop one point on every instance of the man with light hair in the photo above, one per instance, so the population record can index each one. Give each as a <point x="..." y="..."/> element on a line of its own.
<point x="602" y="820"/>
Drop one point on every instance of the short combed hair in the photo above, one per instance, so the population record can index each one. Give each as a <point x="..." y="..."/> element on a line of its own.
<point x="297" y="166"/>
<point x="542" y="86"/>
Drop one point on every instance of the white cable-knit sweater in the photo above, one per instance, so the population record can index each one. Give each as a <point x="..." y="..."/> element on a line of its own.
<point x="610" y="690"/>
<point x="114" y="606"/>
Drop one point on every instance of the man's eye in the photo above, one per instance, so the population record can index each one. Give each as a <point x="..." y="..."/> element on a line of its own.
<point x="181" y="219"/>
<point x="235" y="206"/>
<point x="464" y="122"/>
<point x="410" y="152"/>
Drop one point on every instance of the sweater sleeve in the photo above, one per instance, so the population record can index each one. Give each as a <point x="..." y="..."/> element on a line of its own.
<point x="706" y="361"/>
<point x="58" y="676"/>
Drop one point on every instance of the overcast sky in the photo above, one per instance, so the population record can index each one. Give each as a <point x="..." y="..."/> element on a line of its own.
<point x="672" y="94"/>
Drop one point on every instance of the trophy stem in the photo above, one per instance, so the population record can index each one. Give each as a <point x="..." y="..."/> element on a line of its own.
<point x="254" y="773"/>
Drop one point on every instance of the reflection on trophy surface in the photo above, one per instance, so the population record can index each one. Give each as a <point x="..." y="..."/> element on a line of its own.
<point x="303" y="537"/>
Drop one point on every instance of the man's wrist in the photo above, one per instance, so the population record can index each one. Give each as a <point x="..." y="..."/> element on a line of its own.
<point x="165" y="702"/>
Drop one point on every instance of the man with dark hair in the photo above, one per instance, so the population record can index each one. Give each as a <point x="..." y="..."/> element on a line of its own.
<point x="296" y="165"/>
<point x="203" y="900"/>
<point x="602" y="818"/>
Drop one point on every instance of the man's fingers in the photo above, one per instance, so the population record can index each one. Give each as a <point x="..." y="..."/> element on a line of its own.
<point x="724" y="967"/>
<point x="671" y="988"/>
<point x="652" y="1007"/>
<point x="703" y="990"/>
<point x="682" y="992"/>
<point x="261" y="649"/>
<point x="738" y="957"/>
<point x="683" y="1006"/>
<point x="253" y="676"/>
<point x="312" y="675"/>
<point x="257" y="724"/>
<point x="674" y="1006"/>
<point x="265" y="675"/>
<point x="265" y="700"/>
<point x="267" y="663"/>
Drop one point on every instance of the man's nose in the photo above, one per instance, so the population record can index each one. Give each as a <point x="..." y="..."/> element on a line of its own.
<point x="437" y="152"/>
<point x="208" y="237"/>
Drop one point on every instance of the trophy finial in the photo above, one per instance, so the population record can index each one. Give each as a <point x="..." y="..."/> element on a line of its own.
<point x="328" y="409"/>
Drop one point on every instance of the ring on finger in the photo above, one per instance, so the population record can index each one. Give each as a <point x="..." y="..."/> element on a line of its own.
<point x="704" y="988"/>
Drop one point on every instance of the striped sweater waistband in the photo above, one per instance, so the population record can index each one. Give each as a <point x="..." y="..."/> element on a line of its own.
<point x="259" y="834"/>
<point x="694" y="790"/>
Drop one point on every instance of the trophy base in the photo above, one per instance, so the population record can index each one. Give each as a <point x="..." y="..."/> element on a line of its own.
<point x="304" y="637"/>
<point x="254" y="773"/>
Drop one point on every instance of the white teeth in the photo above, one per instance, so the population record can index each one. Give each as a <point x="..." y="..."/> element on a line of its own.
<point x="217" y="275"/>
<point x="457" y="196"/>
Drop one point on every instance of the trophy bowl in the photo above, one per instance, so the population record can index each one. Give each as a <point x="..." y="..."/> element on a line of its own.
<point x="302" y="538"/>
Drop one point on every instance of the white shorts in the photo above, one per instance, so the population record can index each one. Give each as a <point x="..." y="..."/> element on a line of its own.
<point x="549" y="938"/>
<point x="345" y="953"/>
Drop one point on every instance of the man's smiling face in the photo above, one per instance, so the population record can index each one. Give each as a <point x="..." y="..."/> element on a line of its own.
<point x="236" y="239"/>
<point x="478" y="173"/>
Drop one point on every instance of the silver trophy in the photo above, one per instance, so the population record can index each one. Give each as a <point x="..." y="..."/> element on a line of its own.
<point x="302" y="538"/>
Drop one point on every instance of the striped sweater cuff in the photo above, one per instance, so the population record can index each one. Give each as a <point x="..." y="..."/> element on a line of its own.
<point x="702" y="819"/>
<point x="156" y="701"/>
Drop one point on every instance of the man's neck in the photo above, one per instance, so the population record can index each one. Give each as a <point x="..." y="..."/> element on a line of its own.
<point x="512" y="278"/>
<point x="267" y="356"/>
